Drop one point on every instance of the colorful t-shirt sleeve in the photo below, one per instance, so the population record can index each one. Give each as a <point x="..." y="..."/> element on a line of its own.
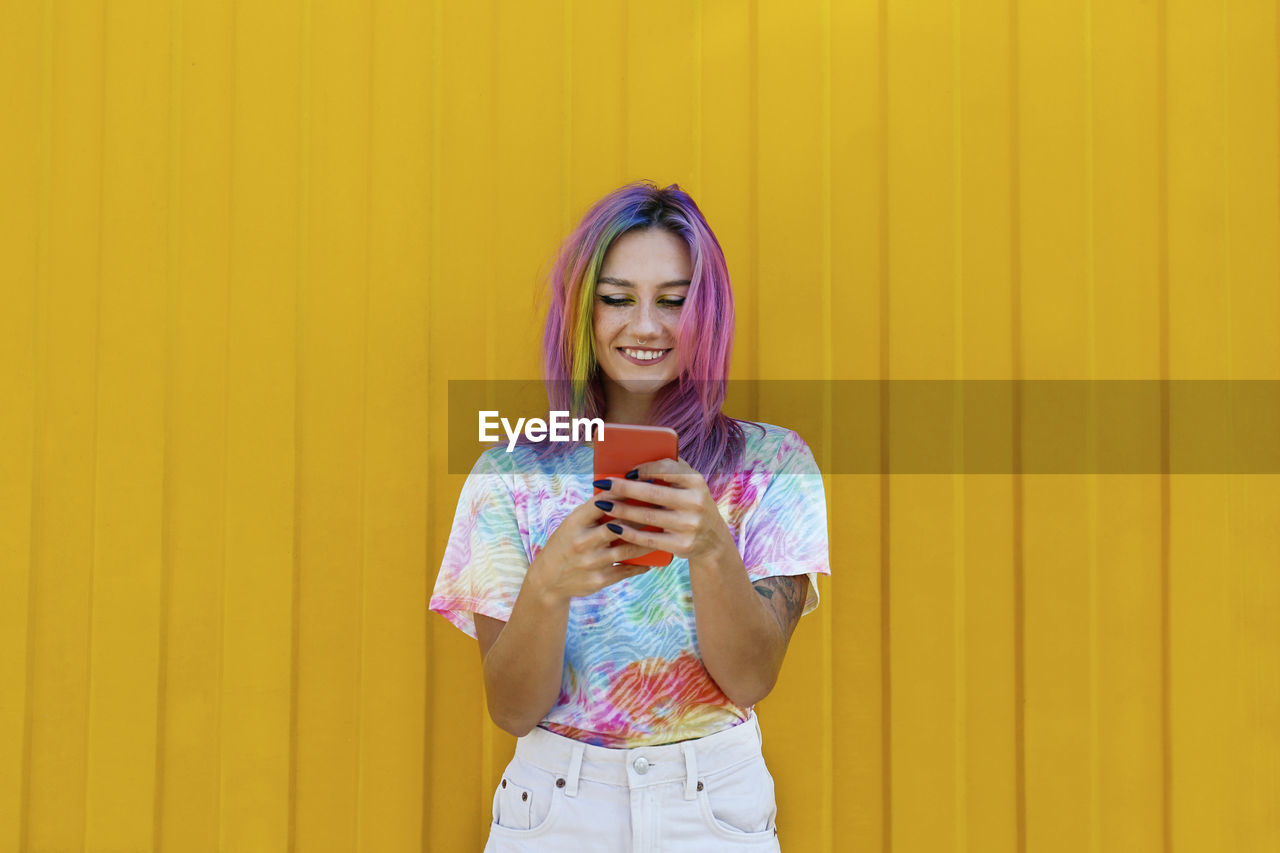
<point x="786" y="534"/>
<point x="485" y="561"/>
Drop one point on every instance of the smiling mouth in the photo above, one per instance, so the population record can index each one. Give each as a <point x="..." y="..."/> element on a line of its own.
<point x="643" y="356"/>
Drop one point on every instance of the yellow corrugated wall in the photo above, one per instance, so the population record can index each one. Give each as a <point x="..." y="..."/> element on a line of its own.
<point x="244" y="245"/>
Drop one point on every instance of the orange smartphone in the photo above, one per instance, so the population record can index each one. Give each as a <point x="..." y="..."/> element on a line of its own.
<point x="627" y="446"/>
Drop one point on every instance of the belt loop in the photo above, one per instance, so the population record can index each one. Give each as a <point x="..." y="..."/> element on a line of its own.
<point x="691" y="770"/>
<point x="575" y="767"/>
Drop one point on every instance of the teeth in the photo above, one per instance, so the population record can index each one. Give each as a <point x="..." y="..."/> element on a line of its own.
<point x="643" y="355"/>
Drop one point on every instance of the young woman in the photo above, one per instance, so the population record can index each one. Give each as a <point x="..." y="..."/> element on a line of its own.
<point x="631" y="690"/>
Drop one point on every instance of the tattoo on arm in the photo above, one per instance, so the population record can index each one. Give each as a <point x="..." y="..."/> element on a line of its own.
<point x="785" y="596"/>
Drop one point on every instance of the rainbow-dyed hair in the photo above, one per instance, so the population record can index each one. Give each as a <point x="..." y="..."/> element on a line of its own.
<point x="710" y="441"/>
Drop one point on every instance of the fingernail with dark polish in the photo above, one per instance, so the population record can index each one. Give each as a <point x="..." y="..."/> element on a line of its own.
<point x="603" y="484"/>
<point x="633" y="474"/>
<point x="616" y="528"/>
<point x="605" y="505"/>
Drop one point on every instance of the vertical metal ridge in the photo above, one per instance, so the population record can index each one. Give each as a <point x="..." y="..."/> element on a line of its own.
<point x="696" y="122"/>
<point x="753" y="201"/>
<point x="1091" y="439"/>
<point x="826" y="804"/>
<point x="1166" y="495"/>
<point x="957" y="209"/>
<point x="486" y="330"/>
<point x="371" y="138"/>
<point x="301" y="273"/>
<point x="958" y="481"/>
<point x="233" y="57"/>
<point x="483" y="792"/>
<point x="824" y="223"/>
<point x="44" y="226"/>
<point x="94" y="437"/>
<point x="433" y="276"/>
<point x="566" y="126"/>
<point x="1226" y="211"/>
<point x="623" y="147"/>
<point x="886" y="590"/>
<point x="1019" y="509"/>
<point x="1232" y="482"/>
<point x="173" y="249"/>
<point x="1226" y="239"/>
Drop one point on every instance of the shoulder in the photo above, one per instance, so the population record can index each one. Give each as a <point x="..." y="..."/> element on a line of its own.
<point x="769" y="446"/>
<point x="489" y="466"/>
<point x="527" y="475"/>
<point x="524" y="460"/>
<point x="491" y="474"/>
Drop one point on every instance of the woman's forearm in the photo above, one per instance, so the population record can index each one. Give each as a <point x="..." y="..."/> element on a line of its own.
<point x="739" y="639"/>
<point x="524" y="666"/>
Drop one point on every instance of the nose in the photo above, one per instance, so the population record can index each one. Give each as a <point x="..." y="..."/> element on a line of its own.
<point x="646" y="324"/>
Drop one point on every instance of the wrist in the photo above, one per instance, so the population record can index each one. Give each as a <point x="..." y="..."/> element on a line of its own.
<point x="722" y="552"/>
<point x="551" y="600"/>
<point x="543" y="592"/>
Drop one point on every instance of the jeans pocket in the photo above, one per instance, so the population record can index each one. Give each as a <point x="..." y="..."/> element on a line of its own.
<point x="526" y="801"/>
<point x="739" y="803"/>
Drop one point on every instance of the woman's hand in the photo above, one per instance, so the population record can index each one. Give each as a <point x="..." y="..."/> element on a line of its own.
<point x="692" y="526"/>
<point x="577" y="559"/>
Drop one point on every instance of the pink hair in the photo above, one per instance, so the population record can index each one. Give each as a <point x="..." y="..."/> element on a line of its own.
<point x="710" y="441"/>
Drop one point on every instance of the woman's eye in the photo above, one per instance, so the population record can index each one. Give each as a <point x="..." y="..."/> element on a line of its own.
<point x="627" y="300"/>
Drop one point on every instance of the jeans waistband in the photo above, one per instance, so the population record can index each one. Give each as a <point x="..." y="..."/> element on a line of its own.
<point x="641" y="766"/>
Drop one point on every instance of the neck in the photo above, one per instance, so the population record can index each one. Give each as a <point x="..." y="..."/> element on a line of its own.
<point x="626" y="407"/>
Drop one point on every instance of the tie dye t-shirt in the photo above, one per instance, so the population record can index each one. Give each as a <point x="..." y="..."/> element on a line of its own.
<point x="633" y="675"/>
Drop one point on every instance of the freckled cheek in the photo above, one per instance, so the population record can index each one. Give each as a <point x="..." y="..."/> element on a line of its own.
<point x="603" y="333"/>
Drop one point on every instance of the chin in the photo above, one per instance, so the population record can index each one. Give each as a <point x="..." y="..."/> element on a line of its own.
<point x="646" y="386"/>
<point x="642" y="385"/>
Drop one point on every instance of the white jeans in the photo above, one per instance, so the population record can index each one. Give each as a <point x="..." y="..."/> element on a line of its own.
<point x="708" y="794"/>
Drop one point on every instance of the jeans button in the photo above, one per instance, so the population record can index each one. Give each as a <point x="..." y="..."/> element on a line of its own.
<point x="642" y="765"/>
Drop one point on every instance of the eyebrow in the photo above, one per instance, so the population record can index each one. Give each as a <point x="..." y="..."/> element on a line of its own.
<point x="622" y="282"/>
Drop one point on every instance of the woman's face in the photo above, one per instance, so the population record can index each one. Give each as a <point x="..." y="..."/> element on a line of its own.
<point x="643" y="283"/>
